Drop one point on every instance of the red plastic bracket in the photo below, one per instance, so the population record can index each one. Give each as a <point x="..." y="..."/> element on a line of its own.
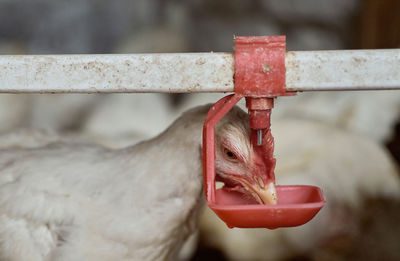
<point x="215" y="114"/>
<point x="260" y="75"/>
<point x="260" y="66"/>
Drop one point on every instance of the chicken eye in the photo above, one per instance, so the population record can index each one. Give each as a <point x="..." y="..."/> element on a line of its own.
<point x="229" y="155"/>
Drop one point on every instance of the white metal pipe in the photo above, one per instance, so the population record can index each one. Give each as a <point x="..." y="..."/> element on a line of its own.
<point x="170" y="73"/>
<point x="343" y="70"/>
<point x="196" y="72"/>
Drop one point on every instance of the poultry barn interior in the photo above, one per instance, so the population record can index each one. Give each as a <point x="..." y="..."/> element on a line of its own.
<point x="347" y="143"/>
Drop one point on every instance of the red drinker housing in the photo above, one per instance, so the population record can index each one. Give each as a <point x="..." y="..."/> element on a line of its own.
<point x="259" y="77"/>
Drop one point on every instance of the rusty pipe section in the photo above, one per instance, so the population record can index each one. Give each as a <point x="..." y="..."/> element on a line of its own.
<point x="340" y="70"/>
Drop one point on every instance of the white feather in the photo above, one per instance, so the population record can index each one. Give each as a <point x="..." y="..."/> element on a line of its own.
<point x="72" y="201"/>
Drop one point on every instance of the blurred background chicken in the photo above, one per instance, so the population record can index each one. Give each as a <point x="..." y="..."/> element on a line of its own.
<point x="356" y="119"/>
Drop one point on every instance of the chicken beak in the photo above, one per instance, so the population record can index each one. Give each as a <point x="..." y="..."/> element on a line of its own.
<point x="266" y="194"/>
<point x="261" y="192"/>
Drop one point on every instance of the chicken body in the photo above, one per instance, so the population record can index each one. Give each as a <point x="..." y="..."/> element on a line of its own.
<point x="68" y="201"/>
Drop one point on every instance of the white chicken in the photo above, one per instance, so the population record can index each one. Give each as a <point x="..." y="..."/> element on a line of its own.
<point x="60" y="111"/>
<point x="29" y="138"/>
<point x="120" y="120"/>
<point x="69" y="201"/>
<point x="358" y="112"/>
<point x="14" y="111"/>
<point x="57" y="112"/>
<point x="351" y="170"/>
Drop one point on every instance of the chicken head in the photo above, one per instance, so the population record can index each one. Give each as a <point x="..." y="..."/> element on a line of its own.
<point x="240" y="164"/>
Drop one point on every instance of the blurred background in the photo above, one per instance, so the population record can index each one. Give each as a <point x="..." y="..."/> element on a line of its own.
<point x="360" y="221"/>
